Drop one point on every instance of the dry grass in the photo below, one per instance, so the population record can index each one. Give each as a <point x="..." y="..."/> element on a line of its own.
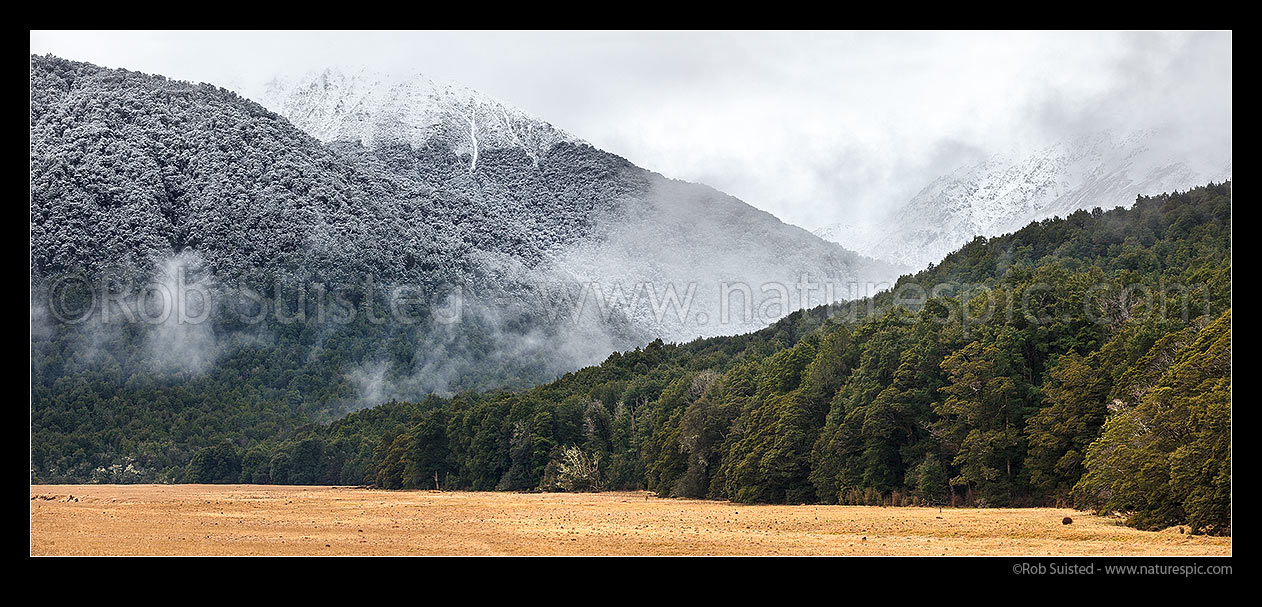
<point x="251" y="519"/>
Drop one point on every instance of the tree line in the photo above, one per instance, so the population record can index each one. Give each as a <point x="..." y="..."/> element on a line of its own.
<point x="1086" y="363"/>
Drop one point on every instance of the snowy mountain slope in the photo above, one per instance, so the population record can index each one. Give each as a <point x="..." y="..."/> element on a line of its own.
<point x="637" y="230"/>
<point x="372" y="108"/>
<point x="133" y="173"/>
<point x="1008" y="191"/>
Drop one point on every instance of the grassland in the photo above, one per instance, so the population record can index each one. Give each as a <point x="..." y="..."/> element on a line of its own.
<point x="286" y="520"/>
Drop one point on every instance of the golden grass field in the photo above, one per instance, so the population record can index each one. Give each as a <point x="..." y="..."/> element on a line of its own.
<point x="285" y="520"/>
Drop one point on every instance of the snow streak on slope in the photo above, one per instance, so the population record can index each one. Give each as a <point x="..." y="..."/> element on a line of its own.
<point x="1008" y="191"/>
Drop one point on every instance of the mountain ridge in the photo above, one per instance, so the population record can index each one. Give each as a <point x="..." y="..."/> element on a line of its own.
<point x="372" y="107"/>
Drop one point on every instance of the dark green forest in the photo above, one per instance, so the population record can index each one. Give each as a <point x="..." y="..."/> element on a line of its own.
<point x="1080" y="361"/>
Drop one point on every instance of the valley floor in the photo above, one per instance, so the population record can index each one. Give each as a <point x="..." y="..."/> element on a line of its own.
<point x="276" y="520"/>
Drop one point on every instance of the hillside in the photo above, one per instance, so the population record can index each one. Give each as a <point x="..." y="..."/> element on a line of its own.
<point x="340" y="274"/>
<point x="643" y="235"/>
<point x="1036" y="373"/>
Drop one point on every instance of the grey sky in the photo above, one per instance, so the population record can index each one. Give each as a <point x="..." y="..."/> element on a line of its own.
<point x="815" y="127"/>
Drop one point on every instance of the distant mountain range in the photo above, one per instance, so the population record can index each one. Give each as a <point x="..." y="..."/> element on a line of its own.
<point x="1008" y="191"/>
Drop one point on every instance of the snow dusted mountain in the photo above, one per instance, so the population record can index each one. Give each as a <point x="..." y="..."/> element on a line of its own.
<point x="1008" y="191"/>
<point x="639" y="239"/>
<point x="373" y="108"/>
<point x="559" y="253"/>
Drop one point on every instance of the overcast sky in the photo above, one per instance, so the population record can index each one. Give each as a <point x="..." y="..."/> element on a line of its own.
<point x="815" y="127"/>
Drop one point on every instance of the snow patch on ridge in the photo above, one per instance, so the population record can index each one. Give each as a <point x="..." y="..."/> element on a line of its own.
<point x="372" y="108"/>
<point x="1008" y="191"/>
